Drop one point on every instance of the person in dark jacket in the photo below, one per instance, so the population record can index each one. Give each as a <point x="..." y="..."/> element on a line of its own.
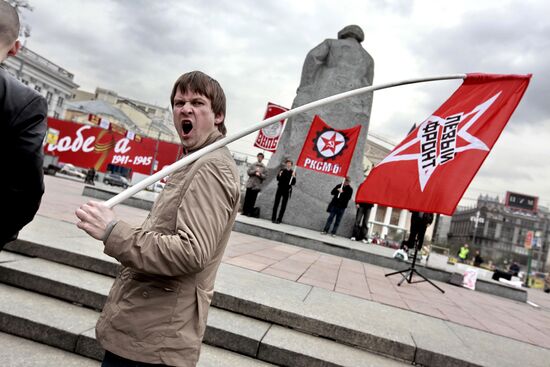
<point x="256" y="175"/>
<point x="341" y="195"/>
<point x="23" y="126"/>
<point x="286" y="178"/>
<point x="478" y="260"/>
<point x="360" y="228"/>
<point x="90" y="176"/>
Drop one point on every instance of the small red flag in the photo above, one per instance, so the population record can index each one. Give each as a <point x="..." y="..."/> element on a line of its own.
<point x="268" y="137"/>
<point x="431" y="169"/>
<point x="328" y="150"/>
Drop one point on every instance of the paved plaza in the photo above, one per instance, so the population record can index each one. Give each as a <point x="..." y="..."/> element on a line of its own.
<point x="493" y="314"/>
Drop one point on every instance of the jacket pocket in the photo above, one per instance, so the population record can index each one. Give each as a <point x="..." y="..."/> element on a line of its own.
<point x="145" y="310"/>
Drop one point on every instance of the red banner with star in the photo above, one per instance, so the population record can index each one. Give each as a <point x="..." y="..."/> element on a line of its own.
<point x="327" y="150"/>
<point x="268" y="137"/>
<point x="431" y="168"/>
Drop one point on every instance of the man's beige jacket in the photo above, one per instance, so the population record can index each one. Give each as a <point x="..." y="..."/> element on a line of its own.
<point x="157" y="308"/>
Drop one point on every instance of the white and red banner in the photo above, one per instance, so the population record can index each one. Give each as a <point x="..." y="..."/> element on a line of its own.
<point x="327" y="150"/>
<point x="268" y="137"/>
<point x="89" y="146"/>
<point x="431" y="169"/>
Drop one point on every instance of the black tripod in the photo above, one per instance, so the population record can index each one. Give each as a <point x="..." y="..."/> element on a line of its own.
<point x="407" y="274"/>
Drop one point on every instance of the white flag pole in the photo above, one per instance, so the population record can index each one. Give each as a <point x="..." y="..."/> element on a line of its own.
<point x="229" y="139"/>
<point x="341" y="187"/>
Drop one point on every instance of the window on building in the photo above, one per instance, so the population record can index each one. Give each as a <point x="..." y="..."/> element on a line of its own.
<point x="395" y="216"/>
<point x="26" y="82"/>
<point x="37" y="88"/>
<point x="49" y="96"/>
<point x="60" y="102"/>
<point x="380" y="214"/>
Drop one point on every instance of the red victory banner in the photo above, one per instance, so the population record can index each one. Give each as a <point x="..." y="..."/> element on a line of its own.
<point x="91" y="146"/>
<point x="328" y="150"/>
<point x="268" y="137"/>
<point x="431" y="168"/>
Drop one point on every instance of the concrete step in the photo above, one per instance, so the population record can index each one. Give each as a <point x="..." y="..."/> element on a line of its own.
<point x="237" y="291"/>
<point x="70" y="328"/>
<point x="20" y="352"/>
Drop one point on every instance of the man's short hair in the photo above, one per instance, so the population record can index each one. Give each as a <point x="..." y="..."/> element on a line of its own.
<point x="288" y="160"/>
<point x="200" y="83"/>
<point x="260" y="154"/>
<point x="9" y="24"/>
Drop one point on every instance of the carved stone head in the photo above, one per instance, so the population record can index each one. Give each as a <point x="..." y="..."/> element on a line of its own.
<point x="353" y="31"/>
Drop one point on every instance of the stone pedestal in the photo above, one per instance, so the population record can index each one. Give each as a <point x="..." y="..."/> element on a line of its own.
<point x="332" y="67"/>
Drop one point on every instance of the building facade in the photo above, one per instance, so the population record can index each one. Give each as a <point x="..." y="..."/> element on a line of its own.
<point x="52" y="81"/>
<point x="501" y="233"/>
<point x="387" y="223"/>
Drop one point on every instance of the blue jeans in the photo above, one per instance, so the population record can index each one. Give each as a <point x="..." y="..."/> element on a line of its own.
<point x="334" y="212"/>
<point x="112" y="360"/>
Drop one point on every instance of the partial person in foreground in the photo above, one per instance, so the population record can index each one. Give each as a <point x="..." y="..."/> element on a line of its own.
<point x="23" y="126"/>
<point x="157" y="308"/>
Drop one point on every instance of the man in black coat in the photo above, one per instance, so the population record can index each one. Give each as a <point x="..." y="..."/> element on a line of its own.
<point x="341" y="194"/>
<point x="23" y="126"/>
<point x="286" y="178"/>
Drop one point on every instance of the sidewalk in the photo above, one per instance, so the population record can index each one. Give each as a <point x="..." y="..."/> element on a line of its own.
<point x="344" y="277"/>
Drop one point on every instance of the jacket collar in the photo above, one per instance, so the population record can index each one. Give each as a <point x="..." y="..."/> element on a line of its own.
<point x="214" y="136"/>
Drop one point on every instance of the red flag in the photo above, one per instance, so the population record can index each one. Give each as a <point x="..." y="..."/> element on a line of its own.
<point x="268" y="137"/>
<point x="430" y="170"/>
<point x="328" y="150"/>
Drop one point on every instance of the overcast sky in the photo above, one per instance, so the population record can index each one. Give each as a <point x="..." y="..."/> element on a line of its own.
<point x="256" y="49"/>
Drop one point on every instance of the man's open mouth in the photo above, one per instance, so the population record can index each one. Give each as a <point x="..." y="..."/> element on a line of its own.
<point x="186" y="127"/>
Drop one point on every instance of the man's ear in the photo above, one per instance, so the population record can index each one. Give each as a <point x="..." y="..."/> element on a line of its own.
<point x="218" y="119"/>
<point x="14" y="49"/>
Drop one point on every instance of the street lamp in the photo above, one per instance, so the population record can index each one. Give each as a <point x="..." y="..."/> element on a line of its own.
<point x="477" y="219"/>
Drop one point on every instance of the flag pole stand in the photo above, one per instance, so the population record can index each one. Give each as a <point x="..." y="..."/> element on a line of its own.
<point x="407" y="274"/>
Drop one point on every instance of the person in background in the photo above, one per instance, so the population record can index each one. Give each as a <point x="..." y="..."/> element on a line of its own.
<point x="286" y="179"/>
<point x="256" y="175"/>
<point x="157" y="308"/>
<point x="463" y="253"/>
<point x="419" y="223"/>
<point x="23" y="124"/>
<point x="341" y="195"/>
<point x="90" y="176"/>
<point x="360" y="227"/>
<point x="514" y="269"/>
<point x="478" y="260"/>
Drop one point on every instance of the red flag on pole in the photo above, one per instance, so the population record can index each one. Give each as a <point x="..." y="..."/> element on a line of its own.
<point x="432" y="167"/>
<point x="268" y="137"/>
<point x="328" y="150"/>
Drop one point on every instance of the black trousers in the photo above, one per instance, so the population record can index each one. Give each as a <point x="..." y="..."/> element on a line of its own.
<point x="418" y="230"/>
<point x="280" y="194"/>
<point x="113" y="360"/>
<point x="360" y="228"/>
<point x="249" y="201"/>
